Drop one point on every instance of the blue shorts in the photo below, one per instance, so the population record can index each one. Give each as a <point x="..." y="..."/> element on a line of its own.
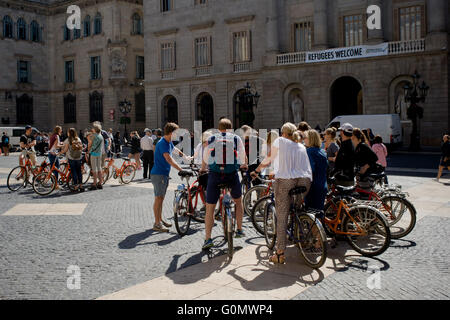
<point x="160" y="184"/>
<point x="213" y="191"/>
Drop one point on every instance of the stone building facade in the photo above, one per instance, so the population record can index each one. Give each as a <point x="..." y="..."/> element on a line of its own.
<point x="62" y="87"/>
<point x="201" y="53"/>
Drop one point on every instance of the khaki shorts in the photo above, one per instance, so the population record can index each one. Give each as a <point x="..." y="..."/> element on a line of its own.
<point x="30" y="154"/>
<point x="96" y="164"/>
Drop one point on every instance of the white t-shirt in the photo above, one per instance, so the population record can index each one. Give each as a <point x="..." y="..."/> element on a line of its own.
<point x="291" y="161"/>
<point x="198" y="154"/>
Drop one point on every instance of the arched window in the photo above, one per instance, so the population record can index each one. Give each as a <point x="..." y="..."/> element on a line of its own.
<point x="87" y="26"/>
<point x="21" y="29"/>
<point x="35" y="32"/>
<point x="98" y="24"/>
<point x="137" y="24"/>
<point x="7" y="27"/>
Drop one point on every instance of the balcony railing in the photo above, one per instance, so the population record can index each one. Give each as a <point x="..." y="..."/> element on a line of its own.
<point x="396" y="47"/>
<point x="203" y="71"/>
<point x="167" y="75"/>
<point x="241" y="67"/>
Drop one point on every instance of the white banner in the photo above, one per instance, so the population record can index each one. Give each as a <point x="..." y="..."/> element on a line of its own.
<point x="347" y="53"/>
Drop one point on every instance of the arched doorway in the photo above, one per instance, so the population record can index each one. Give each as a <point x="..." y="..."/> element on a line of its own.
<point x="243" y="109"/>
<point x="170" y="110"/>
<point x="346" y="97"/>
<point x="205" y="110"/>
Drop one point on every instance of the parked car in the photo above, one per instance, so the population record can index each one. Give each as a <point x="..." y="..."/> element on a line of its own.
<point x="388" y="126"/>
<point x="14" y="134"/>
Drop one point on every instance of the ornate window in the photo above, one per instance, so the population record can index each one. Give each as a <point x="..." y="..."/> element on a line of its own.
<point x="411" y="23"/>
<point x="23" y="71"/>
<point x="353" y="30"/>
<point x="302" y="36"/>
<point x="24" y="109"/>
<point x="168" y="56"/>
<point x="137" y="24"/>
<point x="70" y="109"/>
<point x="7" y="27"/>
<point x="96" y="70"/>
<point x="95" y="107"/>
<point x="202" y="51"/>
<point x="21" y="29"/>
<point x="139" y="98"/>
<point x="241" y="46"/>
<point x="69" y="71"/>
<point x="98" y="24"/>
<point x="87" y="26"/>
<point x="35" y="31"/>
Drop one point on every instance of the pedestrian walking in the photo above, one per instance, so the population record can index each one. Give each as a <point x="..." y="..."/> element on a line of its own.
<point x="73" y="147"/>
<point x="160" y="174"/>
<point x="445" y="158"/>
<point x="148" y="149"/>
<point x="5" y="144"/>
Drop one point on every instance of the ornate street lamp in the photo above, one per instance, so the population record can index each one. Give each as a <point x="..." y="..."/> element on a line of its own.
<point x="415" y="93"/>
<point x="249" y="99"/>
<point x="125" y="108"/>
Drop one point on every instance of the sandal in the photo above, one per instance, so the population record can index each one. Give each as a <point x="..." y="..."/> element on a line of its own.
<point x="278" y="258"/>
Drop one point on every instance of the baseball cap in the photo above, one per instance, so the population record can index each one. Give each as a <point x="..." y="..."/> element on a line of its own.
<point x="346" y="127"/>
<point x="147" y="130"/>
<point x="27" y="127"/>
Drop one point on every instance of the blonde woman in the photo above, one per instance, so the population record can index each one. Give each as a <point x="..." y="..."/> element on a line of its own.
<point x="292" y="169"/>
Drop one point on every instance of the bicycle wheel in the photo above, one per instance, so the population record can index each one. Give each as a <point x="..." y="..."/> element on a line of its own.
<point x="70" y="183"/>
<point x="44" y="184"/>
<point x="17" y="178"/>
<point x="105" y="173"/>
<point x="62" y="168"/>
<point x="270" y="225"/>
<point x="230" y="227"/>
<point x="86" y="172"/>
<point x="252" y="196"/>
<point x="376" y="237"/>
<point x="181" y="214"/>
<point x="400" y="215"/>
<point x="310" y="239"/>
<point x="200" y="206"/>
<point x="128" y="174"/>
<point x="257" y="215"/>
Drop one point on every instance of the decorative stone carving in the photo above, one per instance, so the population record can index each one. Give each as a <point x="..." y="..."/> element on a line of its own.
<point x="297" y="108"/>
<point x="118" y="62"/>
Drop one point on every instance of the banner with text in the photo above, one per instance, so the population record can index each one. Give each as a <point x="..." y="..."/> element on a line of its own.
<point x="357" y="52"/>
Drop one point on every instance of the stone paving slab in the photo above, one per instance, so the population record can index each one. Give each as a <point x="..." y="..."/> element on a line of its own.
<point x="47" y="209"/>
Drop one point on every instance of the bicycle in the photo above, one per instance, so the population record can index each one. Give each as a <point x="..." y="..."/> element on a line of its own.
<point x="255" y="193"/>
<point x="359" y="223"/>
<point x="304" y="229"/>
<point x="125" y="173"/>
<point x="186" y="202"/>
<point x="46" y="182"/>
<point x="20" y="176"/>
<point x="228" y="216"/>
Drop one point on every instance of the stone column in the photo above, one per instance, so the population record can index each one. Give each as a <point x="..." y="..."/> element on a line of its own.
<point x="320" y="25"/>
<point x="436" y="37"/>
<point x="272" y="27"/>
<point x="376" y="36"/>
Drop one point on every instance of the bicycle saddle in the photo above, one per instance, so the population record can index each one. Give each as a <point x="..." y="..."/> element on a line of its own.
<point x="345" y="190"/>
<point x="185" y="174"/>
<point x="297" y="190"/>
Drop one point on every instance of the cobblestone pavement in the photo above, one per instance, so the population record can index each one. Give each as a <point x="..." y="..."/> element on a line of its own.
<point x="114" y="247"/>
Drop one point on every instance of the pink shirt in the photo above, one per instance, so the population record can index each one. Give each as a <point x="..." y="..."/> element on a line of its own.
<point x="381" y="151"/>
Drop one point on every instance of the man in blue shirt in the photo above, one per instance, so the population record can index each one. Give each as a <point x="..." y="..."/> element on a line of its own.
<point x="160" y="173"/>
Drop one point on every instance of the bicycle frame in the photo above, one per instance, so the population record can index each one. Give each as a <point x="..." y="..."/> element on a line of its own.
<point x="188" y="187"/>
<point x="64" y="175"/>
<point x="334" y="223"/>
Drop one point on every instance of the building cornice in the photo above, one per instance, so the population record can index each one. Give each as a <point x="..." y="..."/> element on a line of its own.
<point x="239" y="19"/>
<point x="165" y="32"/>
<point x="200" y="26"/>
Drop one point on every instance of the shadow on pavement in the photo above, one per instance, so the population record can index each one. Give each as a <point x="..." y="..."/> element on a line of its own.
<point x="132" y="241"/>
<point x="400" y="243"/>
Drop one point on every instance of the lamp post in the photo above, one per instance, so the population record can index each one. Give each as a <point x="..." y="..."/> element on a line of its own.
<point x="249" y="99"/>
<point x="125" y="108"/>
<point x="414" y="94"/>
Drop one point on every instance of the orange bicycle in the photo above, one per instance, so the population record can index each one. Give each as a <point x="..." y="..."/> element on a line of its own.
<point x="20" y="176"/>
<point x="365" y="227"/>
<point x="46" y="182"/>
<point x="125" y="173"/>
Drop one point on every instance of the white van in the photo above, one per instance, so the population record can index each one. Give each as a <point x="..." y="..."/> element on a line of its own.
<point x="388" y="126"/>
<point x="14" y="134"/>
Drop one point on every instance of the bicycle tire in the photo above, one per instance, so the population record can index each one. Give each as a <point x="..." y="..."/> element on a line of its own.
<point x="86" y="173"/>
<point x="181" y="210"/>
<point x="248" y="196"/>
<point x="130" y="172"/>
<point x="106" y="174"/>
<point x="70" y="183"/>
<point x="270" y="225"/>
<point x="199" y="215"/>
<point x="41" y="181"/>
<point x="22" y="174"/>
<point x="229" y="219"/>
<point x="314" y="235"/>
<point x="257" y="215"/>
<point x="396" y="224"/>
<point x="380" y="228"/>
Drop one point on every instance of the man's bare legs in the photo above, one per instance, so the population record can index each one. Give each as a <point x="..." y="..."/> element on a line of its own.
<point x="157" y="209"/>
<point x="209" y="219"/>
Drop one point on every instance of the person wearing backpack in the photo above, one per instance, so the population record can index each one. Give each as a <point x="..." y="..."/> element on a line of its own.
<point x="224" y="156"/>
<point x="73" y="148"/>
<point x="5" y="144"/>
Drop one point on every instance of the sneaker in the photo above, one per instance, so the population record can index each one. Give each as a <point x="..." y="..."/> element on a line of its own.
<point x="208" y="244"/>
<point x="166" y="224"/>
<point x="239" y="234"/>
<point x="99" y="186"/>
<point x="159" y="228"/>
<point x="93" y="187"/>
